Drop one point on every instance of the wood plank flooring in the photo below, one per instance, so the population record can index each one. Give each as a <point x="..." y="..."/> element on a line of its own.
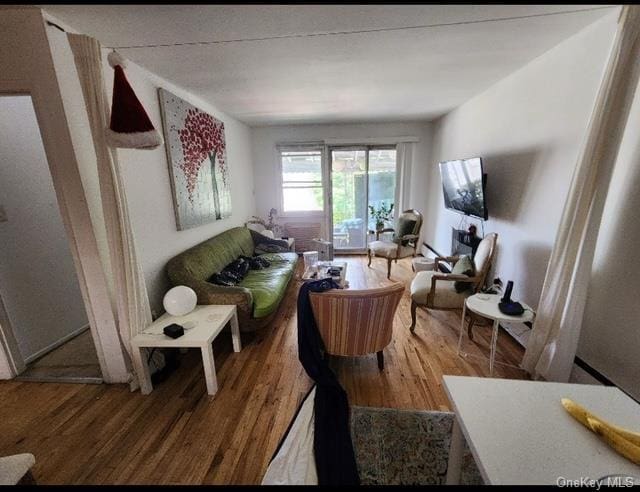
<point x="104" y="434"/>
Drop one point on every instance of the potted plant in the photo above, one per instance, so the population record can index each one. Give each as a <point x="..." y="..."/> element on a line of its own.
<point x="380" y="215"/>
<point x="269" y="224"/>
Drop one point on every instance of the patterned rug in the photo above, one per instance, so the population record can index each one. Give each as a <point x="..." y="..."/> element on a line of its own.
<point x="405" y="447"/>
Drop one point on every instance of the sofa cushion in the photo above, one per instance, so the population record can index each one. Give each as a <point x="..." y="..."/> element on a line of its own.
<point x="269" y="285"/>
<point x="464" y="266"/>
<point x="388" y="249"/>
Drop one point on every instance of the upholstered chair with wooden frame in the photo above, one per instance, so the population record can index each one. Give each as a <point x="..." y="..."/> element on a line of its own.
<point x="356" y="322"/>
<point x="436" y="290"/>
<point x="401" y="246"/>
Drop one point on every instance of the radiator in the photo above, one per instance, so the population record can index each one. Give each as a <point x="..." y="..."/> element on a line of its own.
<point x="303" y="233"/>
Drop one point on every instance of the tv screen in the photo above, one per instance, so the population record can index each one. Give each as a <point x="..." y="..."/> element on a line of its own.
<point x="463" y="186"/>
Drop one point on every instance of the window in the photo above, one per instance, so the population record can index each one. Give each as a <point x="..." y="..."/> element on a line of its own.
<point x="302" y="189"/>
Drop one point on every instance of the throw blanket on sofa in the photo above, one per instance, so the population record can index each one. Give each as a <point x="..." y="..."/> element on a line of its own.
<point x="335" y="461"/>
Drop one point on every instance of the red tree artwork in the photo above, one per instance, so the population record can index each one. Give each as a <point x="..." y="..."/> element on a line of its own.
<point x="202" y="139"/>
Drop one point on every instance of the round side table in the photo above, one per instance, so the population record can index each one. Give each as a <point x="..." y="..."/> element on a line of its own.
<point x="487" y="305"/>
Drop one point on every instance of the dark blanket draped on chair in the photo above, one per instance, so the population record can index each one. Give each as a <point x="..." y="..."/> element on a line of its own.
<point x="332" y="446"/>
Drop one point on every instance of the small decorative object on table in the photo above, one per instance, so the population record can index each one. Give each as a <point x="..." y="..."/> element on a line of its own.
<point x="180" y="300"/>
<point x="624" y="441"/>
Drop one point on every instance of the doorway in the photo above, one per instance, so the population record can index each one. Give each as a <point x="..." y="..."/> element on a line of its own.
<point x="361" y="177"/>
<point x="42" y="311"/>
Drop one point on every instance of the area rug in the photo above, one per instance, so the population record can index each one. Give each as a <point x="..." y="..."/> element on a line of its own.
<point x="405" y="447"/>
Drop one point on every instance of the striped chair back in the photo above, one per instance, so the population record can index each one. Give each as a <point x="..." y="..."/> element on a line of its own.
<point x="356" y="322"/>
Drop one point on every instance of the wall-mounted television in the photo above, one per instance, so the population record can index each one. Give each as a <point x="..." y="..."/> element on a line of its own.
<point x="463" y="185"/>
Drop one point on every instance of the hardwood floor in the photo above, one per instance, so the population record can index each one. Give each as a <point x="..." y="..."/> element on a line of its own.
<point x="104" y="434"/>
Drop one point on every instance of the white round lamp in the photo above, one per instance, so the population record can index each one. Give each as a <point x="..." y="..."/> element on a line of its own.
<point x="180" y="300"/>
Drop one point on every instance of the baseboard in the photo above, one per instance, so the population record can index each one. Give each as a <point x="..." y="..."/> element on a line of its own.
<point x="55" y="344"/>
<point x="63" y="379"/>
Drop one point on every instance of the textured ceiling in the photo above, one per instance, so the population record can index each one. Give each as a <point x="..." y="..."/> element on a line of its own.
<point x="404" y="74"/>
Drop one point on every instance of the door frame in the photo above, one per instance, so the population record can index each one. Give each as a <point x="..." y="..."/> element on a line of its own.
<point x="76" y="219"/>
<point x="329" y="189"/>
<point x="8" y="339"/>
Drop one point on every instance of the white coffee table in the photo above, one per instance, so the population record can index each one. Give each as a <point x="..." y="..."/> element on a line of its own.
<point x="487" y="305"/>
<point x="202" y="325"/>
<point x="519" y="432"/>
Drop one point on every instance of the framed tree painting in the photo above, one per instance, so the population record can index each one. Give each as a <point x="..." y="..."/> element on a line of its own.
<point x="196" y="152"/>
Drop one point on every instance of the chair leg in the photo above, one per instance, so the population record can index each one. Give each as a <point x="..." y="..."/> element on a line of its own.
<point x="389" y="268"/>
<point x="472" y="321"/>
<point x="369" y="255"/>
<point x="380" y="360"/>
<point x="414" y="306"/>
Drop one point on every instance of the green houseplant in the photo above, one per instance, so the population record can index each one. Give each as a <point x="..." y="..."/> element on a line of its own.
<point x="381" y="214"/>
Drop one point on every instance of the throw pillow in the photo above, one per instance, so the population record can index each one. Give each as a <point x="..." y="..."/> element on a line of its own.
<point x="464" y="266"/>
<point x="405" y="226"/>
<point x="262" y="248"/>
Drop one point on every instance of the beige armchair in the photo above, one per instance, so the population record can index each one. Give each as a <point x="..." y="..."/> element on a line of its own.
<point x="356" y="322"/>
<point x="400" y="247"/>
<point x="435" y="290"/>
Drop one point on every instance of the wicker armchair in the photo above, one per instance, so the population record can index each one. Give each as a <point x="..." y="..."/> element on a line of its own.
<point x="356" y="322"/>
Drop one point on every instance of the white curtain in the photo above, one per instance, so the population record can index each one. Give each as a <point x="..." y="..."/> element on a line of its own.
<point x="404" y="159"/>
<point x="132" y="302"/>
<point x="554" y="340"/>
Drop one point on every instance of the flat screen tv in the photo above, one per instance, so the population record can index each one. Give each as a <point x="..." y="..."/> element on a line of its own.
<point x="463" y="184"/>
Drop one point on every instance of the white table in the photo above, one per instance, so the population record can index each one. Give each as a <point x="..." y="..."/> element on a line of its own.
<point x="320" y="271"/>
<point x="487" y="305"/>
<point x="202" y="325"/>
<point x="519" y="432"/>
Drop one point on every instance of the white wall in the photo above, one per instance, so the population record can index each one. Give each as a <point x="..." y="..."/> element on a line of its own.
<point x="528" y="129"/>
<point x="148" y="186"/>
<point x="38" y="282"/>
<point x="610" y="337"/>
<point x="265" y="156"/>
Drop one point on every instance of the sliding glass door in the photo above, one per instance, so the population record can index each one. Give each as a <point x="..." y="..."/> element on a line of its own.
<point x="360" y="177"/>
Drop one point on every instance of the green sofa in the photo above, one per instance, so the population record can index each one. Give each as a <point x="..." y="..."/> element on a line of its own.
<point x="260" y="292"/>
